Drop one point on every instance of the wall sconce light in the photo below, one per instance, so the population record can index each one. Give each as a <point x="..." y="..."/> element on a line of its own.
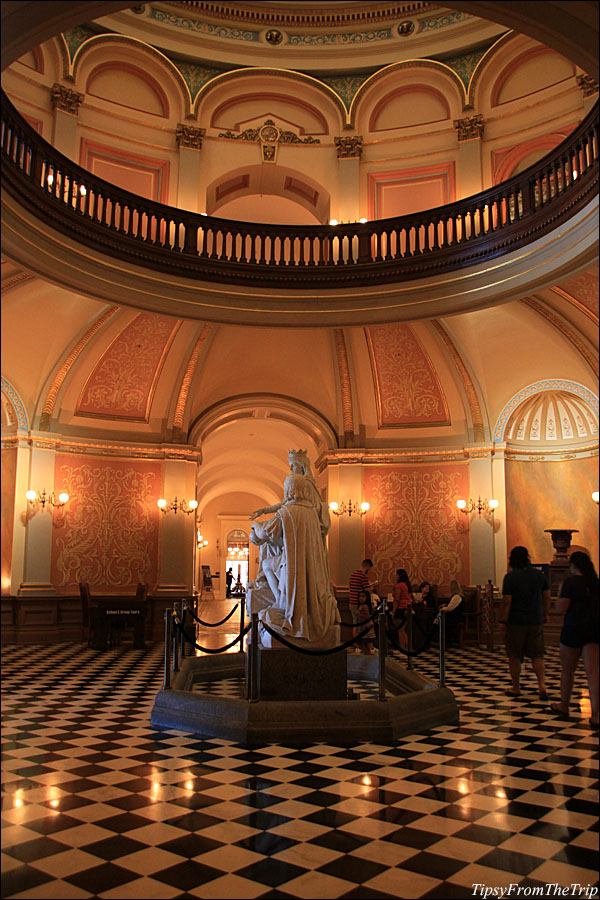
<point x="237" y="552"/>
<point x="40" y="498"/>
<point x="595" y="496"/>
<point x="341" y="509"/>
<point x="480" y="506"/>
<point x="174" y="506"/>
<point x="200" y="539"/>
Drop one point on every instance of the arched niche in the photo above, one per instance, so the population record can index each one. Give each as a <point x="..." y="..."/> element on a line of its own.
<point x="518" y="68"/>
<point x="263" y="181"/>
<point x="234" y="99"/>
<point x="410" y="94"/>
<point x="116" y="66"/>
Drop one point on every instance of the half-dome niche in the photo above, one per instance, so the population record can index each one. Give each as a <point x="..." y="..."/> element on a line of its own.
<point x="552" y="417"/>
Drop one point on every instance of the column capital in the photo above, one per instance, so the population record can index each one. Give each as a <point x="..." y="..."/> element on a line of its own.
<point x="469" y="128"/>
<point x="349" y="147"/>
<point x="189" y="137"/>
<point x="587" y="84"/>
<point x="65" y="99"/>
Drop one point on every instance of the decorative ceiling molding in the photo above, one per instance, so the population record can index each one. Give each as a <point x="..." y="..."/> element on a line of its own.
<point x="469" y="387"/>
<point x="14" y="280"/>
<point x="177" y="432"/>
<point x="16" y="403"/>
<point x="60" y="376"/>
<point x="561" y="325"/>
<point x="345" y="386"/>
<point x="577" y="303"/>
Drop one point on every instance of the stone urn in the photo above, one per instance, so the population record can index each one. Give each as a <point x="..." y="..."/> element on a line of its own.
<point x="561" y="541"/>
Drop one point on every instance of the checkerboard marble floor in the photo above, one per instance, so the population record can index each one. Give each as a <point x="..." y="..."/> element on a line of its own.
<point x="97" y="803"/>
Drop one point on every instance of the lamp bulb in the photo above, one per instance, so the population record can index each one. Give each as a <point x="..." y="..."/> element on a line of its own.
<point x="595" y="496"/>
<point x="193" y="504"/>
<point x="461" y="504"/>
<point x="333" y="222"/>
<point x="333" y="506"/>
<point x="31" y="495"/>
<point x="494" y="504"/>
<point x="63" y="497"/>
<point x="161" y="503"/>
<point x="365" y="506"/>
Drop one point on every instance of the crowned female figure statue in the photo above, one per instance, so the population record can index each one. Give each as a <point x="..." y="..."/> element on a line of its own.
<point x="292" y="591"/>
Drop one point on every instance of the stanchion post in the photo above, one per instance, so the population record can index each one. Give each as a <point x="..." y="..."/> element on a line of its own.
<point x="442" y="624"/>
<point x="254" y="660"/>
<point x="175" y="666"/>
<point x="167" y="681"/>
<point x="242" y="617"/>
<point x="381" y="621"/>
<point x="409" y="636"/>
<point x="182" y="616"/>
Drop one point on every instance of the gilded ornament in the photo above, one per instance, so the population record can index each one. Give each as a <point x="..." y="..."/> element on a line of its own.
<point x="469" y="128"/>
<point x="405" y="28"/>
<point x="66" y="100"/>
<point x="587" y="84"/>
<point x="349" y="147"/>
<point x="189" y="137"/>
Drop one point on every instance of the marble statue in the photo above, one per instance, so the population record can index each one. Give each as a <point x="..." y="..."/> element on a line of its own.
<point x="292" y="591"/>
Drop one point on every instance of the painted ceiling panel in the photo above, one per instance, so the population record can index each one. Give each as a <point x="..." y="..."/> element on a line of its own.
<point x="407" y="388"/>
<point x="123" y="382"/>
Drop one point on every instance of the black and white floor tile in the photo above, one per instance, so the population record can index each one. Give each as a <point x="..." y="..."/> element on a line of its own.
<point x="97" y="803"/>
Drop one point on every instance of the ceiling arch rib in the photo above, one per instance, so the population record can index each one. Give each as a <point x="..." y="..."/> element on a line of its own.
<point x="264" y="405"/>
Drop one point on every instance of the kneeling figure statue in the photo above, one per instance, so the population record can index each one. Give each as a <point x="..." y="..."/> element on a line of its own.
<point x="292" y="591"/>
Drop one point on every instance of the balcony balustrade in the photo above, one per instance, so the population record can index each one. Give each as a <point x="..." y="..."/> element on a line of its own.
<point x="178" y="242"/>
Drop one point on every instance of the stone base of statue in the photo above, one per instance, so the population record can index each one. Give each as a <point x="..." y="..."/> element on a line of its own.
<point x="285" y="674"/>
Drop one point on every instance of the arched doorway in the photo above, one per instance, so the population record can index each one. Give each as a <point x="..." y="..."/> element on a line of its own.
<point x="238" y="552"/>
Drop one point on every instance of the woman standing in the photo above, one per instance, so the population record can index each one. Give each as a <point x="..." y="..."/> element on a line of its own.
<point x="579" y="636"/>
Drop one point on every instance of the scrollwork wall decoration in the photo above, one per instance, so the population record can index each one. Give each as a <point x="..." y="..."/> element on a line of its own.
<point x="414" y="523"/>
<point x="110" y="533"/>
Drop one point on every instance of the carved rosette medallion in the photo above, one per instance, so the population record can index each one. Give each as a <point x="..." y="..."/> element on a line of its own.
<point x="405" y="28"/>
<point x="469" y="128"/>
<point x="349" y="146"/>
<point x="189" y="137"/>
<point x="65" y="99"/>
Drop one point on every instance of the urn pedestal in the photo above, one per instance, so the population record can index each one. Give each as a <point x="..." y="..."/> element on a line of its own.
<point x="559" y="566"/>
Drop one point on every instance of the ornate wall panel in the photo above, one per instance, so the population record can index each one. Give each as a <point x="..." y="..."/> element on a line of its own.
<point x="414" y="524"/>
<point x="143" y="175"/>
<point x="407" y="388"/>
<point x="122" y="384"/>
<point x="7" y="485"/>
<point x="544" y="494"/>
<point x="108" y="532"/>
<point x="406" y="191"/>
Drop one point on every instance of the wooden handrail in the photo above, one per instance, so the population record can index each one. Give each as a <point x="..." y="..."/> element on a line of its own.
<point x="178" y="242"/>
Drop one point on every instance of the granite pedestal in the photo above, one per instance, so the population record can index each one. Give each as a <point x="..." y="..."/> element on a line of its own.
<point x="285" y="674"/>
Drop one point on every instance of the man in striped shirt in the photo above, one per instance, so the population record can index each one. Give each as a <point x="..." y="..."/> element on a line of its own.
<point x="359" y="581"/>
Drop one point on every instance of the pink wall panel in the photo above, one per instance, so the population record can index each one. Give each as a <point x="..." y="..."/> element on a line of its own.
<point x="143" y="175"/>
<point x="542" y="495"/>
<point x="108" y="532"/>
<point x="122" y="384"/>
<point x="407" y="388"/>
<point x="406" y="191"/>
<point x="413" y="522"/>
<point x="7" y="485"/>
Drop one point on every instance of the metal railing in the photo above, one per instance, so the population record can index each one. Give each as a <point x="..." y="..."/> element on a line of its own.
<point x="178" y="242"/>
